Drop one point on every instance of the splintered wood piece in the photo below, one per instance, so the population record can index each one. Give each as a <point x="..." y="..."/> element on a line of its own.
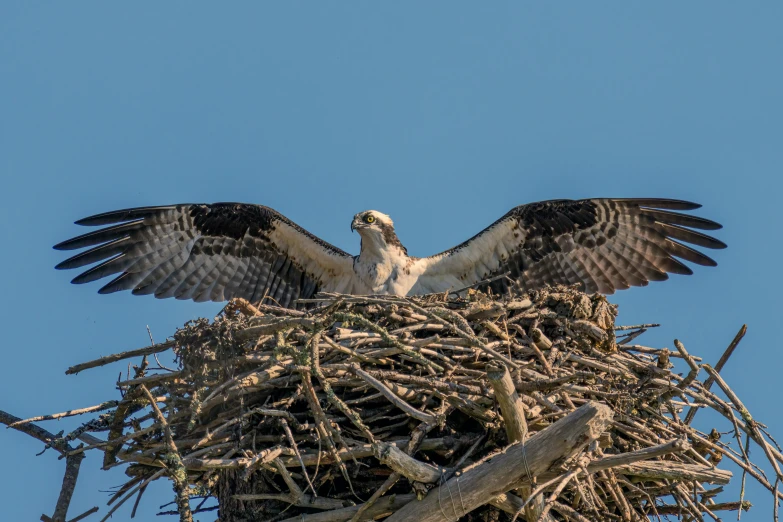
<point x="479" y="484"/>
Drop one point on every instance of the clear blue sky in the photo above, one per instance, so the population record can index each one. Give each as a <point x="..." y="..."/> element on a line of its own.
<point x="443" y="115"/>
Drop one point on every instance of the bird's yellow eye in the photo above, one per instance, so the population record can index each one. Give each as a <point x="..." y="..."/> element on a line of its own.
<point x="369" y="219"/>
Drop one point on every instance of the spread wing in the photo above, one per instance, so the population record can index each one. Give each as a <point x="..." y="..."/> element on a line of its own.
<point x="605" y="244"/>
<point x="208" y="253"/>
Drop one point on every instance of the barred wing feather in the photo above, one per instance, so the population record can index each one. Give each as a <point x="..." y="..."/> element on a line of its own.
<point x="604" y="244"/>
<point x="208" y="253"/>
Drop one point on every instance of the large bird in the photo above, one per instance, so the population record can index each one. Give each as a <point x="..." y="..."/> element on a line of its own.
<point x="225" y="250"/>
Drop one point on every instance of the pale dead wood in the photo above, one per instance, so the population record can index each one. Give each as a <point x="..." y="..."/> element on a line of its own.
<point x="722" y="506"/>
<point x="149" y="350"/>
<point x="374" y="399"/>
<point x="406" y="465"/>
<point x="175" y="466"/>
<point x="676" y="472"/>
<point x="674" y="446"/>
<point x="511" y="406"/>
<point x="513" y="410"/>
<point x="386" y="392"/>
<point x="482" y="482"/>
<point x="719" y="366"/>
<point x="751" y="426"/>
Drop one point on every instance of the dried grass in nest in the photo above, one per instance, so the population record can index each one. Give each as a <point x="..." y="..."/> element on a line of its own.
<point x="435" y="408"/>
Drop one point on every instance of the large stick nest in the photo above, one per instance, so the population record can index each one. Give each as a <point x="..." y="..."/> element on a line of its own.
<point x="360" y="405"/>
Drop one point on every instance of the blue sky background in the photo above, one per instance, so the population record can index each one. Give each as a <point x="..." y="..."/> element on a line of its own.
<point x="444" y="115"/>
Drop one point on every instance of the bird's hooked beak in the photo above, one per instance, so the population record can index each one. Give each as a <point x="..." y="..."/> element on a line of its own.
<point x="356" y="224"/>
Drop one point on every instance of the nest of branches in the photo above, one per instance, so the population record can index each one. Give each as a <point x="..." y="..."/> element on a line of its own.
<point x="438" y="408"/>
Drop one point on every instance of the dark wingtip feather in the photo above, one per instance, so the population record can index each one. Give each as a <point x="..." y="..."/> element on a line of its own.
<point x="662" y="203"/>
<point x="115" y="285"/>
<point x="685" y="252"/>
<point x="78" y="280"/>
<point x="84" y="277"/>
<point x="65" y="265"/>
<point x="93" y="255"/>
<point x="108" y="267"/>
<point x="683" y="220"/>
<point x="715" y="225"/>
<point x="62" y="245"/>
<point x="144" y="290"/>
<point x="689" y="236"/>
<point x="120" y="216"/>
<point x="102" y="235"/>
<point x="106" y="218"/>
<point x="679" y="268"/>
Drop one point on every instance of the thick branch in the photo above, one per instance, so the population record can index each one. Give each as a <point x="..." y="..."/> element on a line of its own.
<point x="406" y="465"/>
<point x="479" y="484"/>
<point x="513" y="410"/>
<point x="148" y="350"/>
<point x="725" y="506"/>
<point x="511" y="406"/>
<point x="675" y="446"/>
<point x="677" y="472"/>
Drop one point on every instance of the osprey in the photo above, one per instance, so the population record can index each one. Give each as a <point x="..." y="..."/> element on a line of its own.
<point x="225" y="250"/>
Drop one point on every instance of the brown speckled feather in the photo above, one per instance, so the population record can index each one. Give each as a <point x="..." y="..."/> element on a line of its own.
<point x="224" y="250"/>
<point x="604" y="244"/>
<point x="207" y="253"/>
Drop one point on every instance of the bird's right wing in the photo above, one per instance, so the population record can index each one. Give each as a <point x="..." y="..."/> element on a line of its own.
<point x="605" y="244"/>
<point x="209" y="253"/>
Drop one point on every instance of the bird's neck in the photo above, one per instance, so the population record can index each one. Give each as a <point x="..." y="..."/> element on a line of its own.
<point x="381" y="247"/>
<point x="381" y="262"/>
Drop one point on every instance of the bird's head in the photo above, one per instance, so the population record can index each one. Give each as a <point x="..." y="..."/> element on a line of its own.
<point x="375" y="227"/>
<point x="371" y="221"/>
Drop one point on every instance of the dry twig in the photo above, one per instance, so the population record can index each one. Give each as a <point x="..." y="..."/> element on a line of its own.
<point x="433" y="408"/>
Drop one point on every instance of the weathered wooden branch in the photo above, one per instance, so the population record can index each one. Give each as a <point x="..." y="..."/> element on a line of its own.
<point x="149" y="350"/>
<point x="264" y="396"/>
<point x="751" y="427"/>
<point x="174" y="463"/>
<point x="719" y="366"/>
<point x="676" y="471"/>
<point x="674" y="446"/>
<point x="722" y="506"/>
<point x="513" y="411"/>
<point x="401" y="404"/>
<point x="72" y="462"/>
<point x="275" y="325"/>
<point x="511" y="406"/>
<point x="151" y="380"/>
<point x="406" y="465"/>
<point x="479" y="484"/>
<point x="70" y="413"/>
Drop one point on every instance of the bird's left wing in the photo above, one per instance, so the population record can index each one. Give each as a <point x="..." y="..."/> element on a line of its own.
<point x="605" y="244"/>
<point x="209" y="253"/>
